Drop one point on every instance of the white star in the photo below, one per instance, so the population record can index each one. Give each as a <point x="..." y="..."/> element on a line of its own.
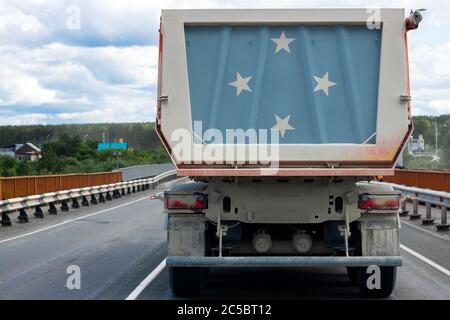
<point x="323" y="83"/>
<point x="283" y="125"/>
<point x="241" y="84"/>
<point x="282" y="42"/>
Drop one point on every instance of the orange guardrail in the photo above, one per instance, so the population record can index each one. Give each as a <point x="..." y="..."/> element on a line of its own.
<point x="13" y="187"/>
<point x="434" y="180"/>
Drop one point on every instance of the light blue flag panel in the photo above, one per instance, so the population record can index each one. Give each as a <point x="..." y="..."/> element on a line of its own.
<point x="314" y="84"/>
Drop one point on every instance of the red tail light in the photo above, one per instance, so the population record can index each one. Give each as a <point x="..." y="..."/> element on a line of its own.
<point x="186" y="201"/>
<point x="380" y="202"/>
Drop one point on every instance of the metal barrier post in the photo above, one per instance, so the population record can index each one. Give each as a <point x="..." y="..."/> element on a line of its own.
<point x="38" y="213"/>
<point x="443" y="226"/>
<point x="75" y="203"/>
<point x="52" y="209"/>
<point x="84" y="201"/>
<point x="428" y="219"/>
<point x="404" y="212"/>
<point x="64" y="206"/>
<point x="6" y="221"/>
<point x="94" y="199"/>
<point x="23" y="217"/>
<point x="415" y="214"/>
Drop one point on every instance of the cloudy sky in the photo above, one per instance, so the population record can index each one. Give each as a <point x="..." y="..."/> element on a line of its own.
<point x="51" y="71"/>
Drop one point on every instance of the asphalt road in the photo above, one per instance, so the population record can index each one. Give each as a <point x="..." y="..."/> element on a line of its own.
<point x="118" y="244"/>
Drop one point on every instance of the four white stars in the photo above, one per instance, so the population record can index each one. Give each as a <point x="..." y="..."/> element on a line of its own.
<point x="241" y="84"/>
<point x="282" y="42"/>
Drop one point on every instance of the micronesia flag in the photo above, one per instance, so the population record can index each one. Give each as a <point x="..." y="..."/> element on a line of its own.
<point x="315" y="84"/>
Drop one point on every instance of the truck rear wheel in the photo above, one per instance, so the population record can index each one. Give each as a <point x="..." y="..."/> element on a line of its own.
<point x="187" y="281"/>
<point x="386" y="281"/>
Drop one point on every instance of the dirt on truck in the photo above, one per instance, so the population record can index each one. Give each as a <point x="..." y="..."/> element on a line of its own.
<point x="281" y="118"/>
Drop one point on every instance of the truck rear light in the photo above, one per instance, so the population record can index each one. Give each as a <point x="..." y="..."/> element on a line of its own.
<point x="380" y="202"/>
<point x="194" y="202"/>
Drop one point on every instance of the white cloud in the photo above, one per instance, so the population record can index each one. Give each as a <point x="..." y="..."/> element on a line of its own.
<point x="133" y="64"/>
<point x="87" y="84"/>
<point x="430" y="78"/>
<point x="17" y="26"/>
<point x="25" y="119"/>
<point x="441" y="105"/>
<point x="15" y="20"/>
<point x="17" y="87"/>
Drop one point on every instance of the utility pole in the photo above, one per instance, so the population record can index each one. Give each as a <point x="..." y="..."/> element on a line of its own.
<point x="436" y="141"/>
<point x="117" y="154"/>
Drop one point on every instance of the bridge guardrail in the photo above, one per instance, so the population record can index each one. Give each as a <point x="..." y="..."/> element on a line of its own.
<point x="144" y="171"/>
<point x="111" y="191"/>
<point x="425" y="179"/>
<point x="14" y="187"/>
<point x="429" y="197"/>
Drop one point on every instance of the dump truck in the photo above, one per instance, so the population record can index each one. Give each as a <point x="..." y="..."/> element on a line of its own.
<point x="279" y="118"/>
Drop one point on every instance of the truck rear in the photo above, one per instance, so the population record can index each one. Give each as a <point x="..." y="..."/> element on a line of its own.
<point x="279" y="117"/>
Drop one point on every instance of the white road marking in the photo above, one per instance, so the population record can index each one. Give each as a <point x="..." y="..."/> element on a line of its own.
<point x="425" y="230"/>
<point x="71" y="220"/>
<point x="426" y="260"/>
<point x="136" y="292"/>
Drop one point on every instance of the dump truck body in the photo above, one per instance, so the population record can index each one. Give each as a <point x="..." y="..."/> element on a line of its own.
<point x="279" y="117"/>
<point x="241" y="91"/>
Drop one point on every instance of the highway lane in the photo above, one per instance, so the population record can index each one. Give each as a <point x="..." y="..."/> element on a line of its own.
<point x="415" y="279"/>
<point x="109" y="247"/>
<point x="116" y="249"/>
<point x="434" y="248"/>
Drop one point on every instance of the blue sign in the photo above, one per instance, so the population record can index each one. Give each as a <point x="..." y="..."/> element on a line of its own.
<point x="112" y="145"/>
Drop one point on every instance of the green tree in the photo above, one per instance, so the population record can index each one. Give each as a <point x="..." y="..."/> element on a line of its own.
<point x="24" y="168"/>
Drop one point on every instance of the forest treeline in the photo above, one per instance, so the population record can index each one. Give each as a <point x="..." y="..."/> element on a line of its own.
<point x="75" y="155"/>
<point x="138" y="135"/>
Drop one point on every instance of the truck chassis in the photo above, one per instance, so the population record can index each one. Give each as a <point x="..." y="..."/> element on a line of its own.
<point x="301" y="222"/>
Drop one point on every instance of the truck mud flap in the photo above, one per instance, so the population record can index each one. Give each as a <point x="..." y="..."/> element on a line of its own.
<point x="240" y="262"/>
